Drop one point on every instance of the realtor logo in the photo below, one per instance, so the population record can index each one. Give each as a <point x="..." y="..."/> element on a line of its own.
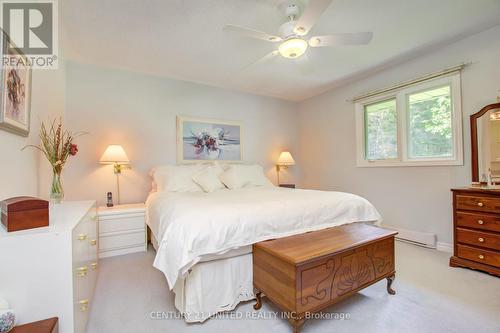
<point x="30" y="29"/>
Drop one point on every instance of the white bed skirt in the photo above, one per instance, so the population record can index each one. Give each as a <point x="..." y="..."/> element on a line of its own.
<point x="213" y="286"/>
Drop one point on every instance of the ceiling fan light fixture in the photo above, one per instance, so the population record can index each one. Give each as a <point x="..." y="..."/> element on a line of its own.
<point x="315" y="41"/>
<point x="293" y="48"/>
<point x="300" y="30"/>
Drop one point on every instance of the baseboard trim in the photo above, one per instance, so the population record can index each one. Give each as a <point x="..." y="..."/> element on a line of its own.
<point x="425" y="239"/>
<point x="445" y="247"/>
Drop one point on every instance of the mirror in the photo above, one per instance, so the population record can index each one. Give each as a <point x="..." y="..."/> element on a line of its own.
<point x="485" y="131"/>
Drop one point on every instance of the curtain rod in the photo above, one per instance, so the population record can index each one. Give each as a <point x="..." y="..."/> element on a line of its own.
<point x="410" y="82"/>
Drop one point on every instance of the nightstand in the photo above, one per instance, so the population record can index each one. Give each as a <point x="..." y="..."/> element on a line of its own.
<point x="122" y="229"/>
<point x="287" y="185"/>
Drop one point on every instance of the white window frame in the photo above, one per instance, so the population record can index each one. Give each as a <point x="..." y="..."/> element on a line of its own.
<point x="401" y="96"/>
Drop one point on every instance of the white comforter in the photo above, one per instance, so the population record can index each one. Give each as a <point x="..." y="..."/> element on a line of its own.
<point x="189" y="226"/>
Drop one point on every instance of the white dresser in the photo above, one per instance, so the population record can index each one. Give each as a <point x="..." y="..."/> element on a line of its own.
<point x="52" y="271"/>
<point x="122" y="229"/>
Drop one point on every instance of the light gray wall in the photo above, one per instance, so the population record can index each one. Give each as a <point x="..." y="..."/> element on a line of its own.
<point x="415" y="198"/>
<point x="18" y="168"/>
<point x="139" y="112"/>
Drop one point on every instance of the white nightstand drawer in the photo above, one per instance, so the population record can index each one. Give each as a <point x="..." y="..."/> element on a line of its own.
<point x="122" y="240"/>
<point x="107" y="224"/>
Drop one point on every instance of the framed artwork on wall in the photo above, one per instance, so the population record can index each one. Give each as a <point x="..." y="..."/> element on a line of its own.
<point x="201" y="139"/>
<point x="15" y="84"/>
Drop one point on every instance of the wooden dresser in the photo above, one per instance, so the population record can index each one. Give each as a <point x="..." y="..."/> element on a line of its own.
<point x="476" y="229"/>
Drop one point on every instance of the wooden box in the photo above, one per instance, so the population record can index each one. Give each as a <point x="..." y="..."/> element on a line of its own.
<point x="306" y="273"/>
<point x="22" y="213"/>
<point x="43" y="326"/>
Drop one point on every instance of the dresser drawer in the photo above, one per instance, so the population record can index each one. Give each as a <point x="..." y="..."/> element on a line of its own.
<point x="80" y="313"/>
<point x="81" y="282"/>
<point x="478" y="221"/>
<point x="488" y="257"/>
<point x="80" y="244"/>
<point x="478" y="203"/>
<point x="478" y="238"/>
<point x="93" y="225"/>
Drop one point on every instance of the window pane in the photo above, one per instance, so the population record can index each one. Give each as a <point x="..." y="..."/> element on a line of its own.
<point x="429" y="121"/>
<point x="381" y="130"/>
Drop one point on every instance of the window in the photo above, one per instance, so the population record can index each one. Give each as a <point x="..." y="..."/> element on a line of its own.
<point x="381" y="130"/>
<point x="429" y="124"/>
<point x="416" y="125"/>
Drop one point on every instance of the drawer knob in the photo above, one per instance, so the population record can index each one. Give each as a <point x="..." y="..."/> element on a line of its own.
<point x="82" y="271"/>
<point x="480" y="222"/>
<point x="480" y="256"/>
<point x="84" y="305"/>
<point x="94" y="266"/>
<point x="93" y="242"/>
<point x="82" y="237"/>
<point x="480" y="204"/>
<point x="481" y="239"/>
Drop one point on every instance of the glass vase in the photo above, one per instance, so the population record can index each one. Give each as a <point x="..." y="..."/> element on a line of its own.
<point x="56" y="191"/>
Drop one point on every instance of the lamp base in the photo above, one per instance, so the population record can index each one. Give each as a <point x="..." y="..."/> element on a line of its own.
<point x="118" y="170"/>
<point x="278" y="169"/>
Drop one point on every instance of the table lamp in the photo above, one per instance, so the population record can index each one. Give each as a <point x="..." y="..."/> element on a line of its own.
<point x="115" y="154"/>
<point x="284" y="161"/>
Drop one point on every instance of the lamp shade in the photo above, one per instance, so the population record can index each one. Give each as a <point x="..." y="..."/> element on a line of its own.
<point x="285" y="159"/>
<point x="114" y="154"/>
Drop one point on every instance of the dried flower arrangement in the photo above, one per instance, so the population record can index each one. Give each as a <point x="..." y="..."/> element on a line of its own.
<point x="57" y="146"/>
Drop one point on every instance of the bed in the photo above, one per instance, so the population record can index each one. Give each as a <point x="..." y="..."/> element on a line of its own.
<point x="203" y="240"/>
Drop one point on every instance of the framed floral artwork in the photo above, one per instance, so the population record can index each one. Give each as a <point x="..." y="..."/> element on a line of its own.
<point x="15" y="108"/>
<point x="208" y="140"/>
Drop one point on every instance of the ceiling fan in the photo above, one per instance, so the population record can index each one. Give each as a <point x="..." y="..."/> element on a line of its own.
<point x="292" y="38"/>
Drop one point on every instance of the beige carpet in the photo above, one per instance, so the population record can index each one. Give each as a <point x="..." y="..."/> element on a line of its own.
<point x="431" y="297"/>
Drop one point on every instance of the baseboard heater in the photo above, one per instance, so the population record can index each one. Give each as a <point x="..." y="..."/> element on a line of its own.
<point x="424" y="239"/>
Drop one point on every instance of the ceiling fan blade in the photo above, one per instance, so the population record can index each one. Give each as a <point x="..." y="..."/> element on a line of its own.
<point x="242" y="31"/>
<point x="304" y="64"/>
<point x="310" y="15"/>
<point x="356" y="38"/>
<point x="263" y="60"/>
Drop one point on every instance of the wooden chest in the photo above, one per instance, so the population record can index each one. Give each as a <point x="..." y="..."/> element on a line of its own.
<point x="476" y="229"/>
<point x="306" y="273"/>
<point x="22" y="213"/>
<point x="43" y="326"/>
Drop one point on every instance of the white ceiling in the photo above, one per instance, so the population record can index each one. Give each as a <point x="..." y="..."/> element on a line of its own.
<point x="183" y="39"/>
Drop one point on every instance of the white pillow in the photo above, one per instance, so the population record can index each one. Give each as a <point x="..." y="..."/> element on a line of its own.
<point x="238" y="176"/>
<point x="208" y="179"/>
<point x="176" y="178"/>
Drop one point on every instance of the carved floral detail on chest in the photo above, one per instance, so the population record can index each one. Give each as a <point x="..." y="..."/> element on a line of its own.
<point x="321" y="278"/>
<point x="337" y="276"/>
<point x="381" y="259"/>
<point x="355" y="270"/>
